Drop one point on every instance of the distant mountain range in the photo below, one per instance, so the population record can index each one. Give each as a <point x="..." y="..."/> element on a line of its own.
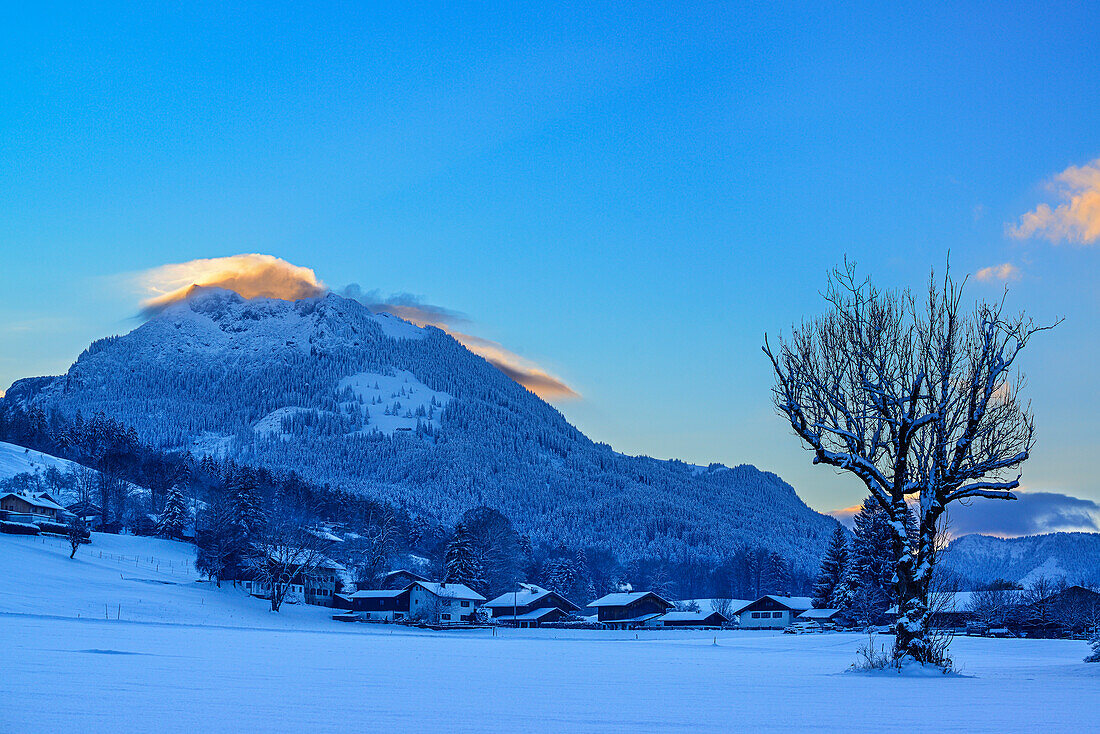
<point x="374" y="404"/>
<point x="981" y="558"/>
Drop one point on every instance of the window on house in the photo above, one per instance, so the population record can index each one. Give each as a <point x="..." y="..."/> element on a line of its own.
<point x="777" y="615"/>
<point x="445" y="616"/>
<point x="465" y="603"/>
<point x="756" y="615"/>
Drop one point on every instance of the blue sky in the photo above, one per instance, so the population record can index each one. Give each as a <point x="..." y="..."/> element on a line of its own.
<point x="630" y="197"/>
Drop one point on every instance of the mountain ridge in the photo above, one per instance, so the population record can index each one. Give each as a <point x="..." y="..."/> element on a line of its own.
<point x="449" y="431"/>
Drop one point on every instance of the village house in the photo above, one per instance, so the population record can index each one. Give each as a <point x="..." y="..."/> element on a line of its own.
<point x="388" y="605"/>
<point x="318" y="587"/>
<point x="530" y="606"/>
<point x="34" y="508"/>
<point x="627" y="609"/>
<point x="773" y="612"/>
<point x="442" y="603"/>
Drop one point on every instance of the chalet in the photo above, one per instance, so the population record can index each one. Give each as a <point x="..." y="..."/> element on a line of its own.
<point x="400" y="579"/>
<point x="624" y="610"/>
<point x="31" y="508"/>
<point x="442" y="603"/>
<point x="530" y="606"/>
<point x="390" y="605"/>
<point x="677" y="618"/>
<point x="773" y="612"/>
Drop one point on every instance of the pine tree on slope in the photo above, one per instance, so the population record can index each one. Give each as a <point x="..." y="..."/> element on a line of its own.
<point x="174" y="519"/>
<point x="460" y="564"/>
<point x="834" y="569"/>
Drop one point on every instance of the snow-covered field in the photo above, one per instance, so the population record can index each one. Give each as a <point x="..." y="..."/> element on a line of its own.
<point x="182" y="656"/>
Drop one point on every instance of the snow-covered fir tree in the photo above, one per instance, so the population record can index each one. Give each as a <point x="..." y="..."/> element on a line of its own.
<point x="174" y="518"/>
<point x="834" y="571"/>
<point x="460" y="564"/>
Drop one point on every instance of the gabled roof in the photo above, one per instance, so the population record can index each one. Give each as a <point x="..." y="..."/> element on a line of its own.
<point x="527" y="595"/>
<point x="793" y="603"/>
<point x="448" y="591"/>
<point x="532" y="616"/>
<point x="624" y="598"/>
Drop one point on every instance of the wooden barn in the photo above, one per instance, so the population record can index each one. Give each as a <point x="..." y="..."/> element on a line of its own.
<point x="627" y="609"/>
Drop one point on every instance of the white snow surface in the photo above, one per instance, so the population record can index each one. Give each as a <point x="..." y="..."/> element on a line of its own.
<point x="184" y="657"/>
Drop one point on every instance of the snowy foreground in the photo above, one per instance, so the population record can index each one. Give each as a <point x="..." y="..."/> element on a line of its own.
<point x="176" y="655"/>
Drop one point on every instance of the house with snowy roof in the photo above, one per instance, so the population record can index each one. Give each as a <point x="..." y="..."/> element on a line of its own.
<point x="773" y="612"/>
<point x="31" y="508"/>
<point x="627" y="609"/>
<point x="318" y="586"/>
<point x="530" y="606"/>
<point x="437" y="602"/>
<point x="389" y="605"/>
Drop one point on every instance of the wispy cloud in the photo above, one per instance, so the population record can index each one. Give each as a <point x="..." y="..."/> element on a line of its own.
<point x="413" y="309"/>
<point x="1032" y="512"/>
<point x="1003" y="273"/>
<point x="1076" y="219"/>
<point x="251" y="275"/>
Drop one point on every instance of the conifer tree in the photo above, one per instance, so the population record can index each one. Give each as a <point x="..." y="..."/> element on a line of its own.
<point x="778" y="576"/>
<point x="834" y="568"/>
<point x="173" y="520"/>
<point x="460" y="564"/>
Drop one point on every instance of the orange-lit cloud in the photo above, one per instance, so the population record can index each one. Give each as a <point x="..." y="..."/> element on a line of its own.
<point x="252" y="276"/>
<point x="1003" y="272"/>
<point x="523" y="371"/>
<point x="1077" y="219"/>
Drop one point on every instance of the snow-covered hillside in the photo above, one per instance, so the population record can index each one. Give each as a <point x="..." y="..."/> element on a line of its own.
<point x="132" y="578"/>
<point x="18" y="460"/>
<point x="324" y="387"/>
<point x="981" y="558"/>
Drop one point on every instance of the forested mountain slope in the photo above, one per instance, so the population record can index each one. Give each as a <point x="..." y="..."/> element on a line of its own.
<point x="373" y="404"/>
<point x="982" y="558"/>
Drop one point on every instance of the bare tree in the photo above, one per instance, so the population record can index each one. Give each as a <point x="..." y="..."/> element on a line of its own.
<point x="77" y="534"/>
<point x="920" y="402"/>
<point x="287" y="552"/>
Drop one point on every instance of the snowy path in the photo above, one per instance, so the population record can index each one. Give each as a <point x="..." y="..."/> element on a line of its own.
<point x="173" y="663"/>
